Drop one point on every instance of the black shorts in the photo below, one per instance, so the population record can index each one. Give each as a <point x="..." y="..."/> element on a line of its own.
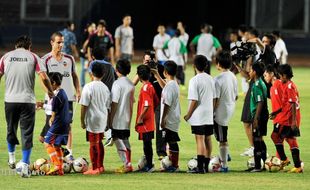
<point x="46" y="126"/>
<point x="22" y="114"/>
<point x="206" y="130"/>
<point x="148" y="136"/>
<point x="170" y="136"/>
<point x="286" y="131"/>
<point x="220" y="132"/>
<point x="261" y="128"/>
<point x="120" y="134"/>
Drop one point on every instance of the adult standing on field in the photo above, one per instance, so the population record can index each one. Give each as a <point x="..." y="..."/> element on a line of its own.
<point x="57" y="61"/>
<point x="124" y="40"/>
<point x="19" y="67"/>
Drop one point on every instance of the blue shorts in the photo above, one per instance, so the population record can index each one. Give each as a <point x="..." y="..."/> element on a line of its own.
<point x="56" y="139"/>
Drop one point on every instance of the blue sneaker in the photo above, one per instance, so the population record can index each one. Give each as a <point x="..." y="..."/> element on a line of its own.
<point x="172" y="169"/>
<point x="223" y="170"/>
<point x="148" y="169"/>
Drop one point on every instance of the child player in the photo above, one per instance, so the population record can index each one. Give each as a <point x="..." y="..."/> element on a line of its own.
<point x="289" y="117"/>
<point x="226" y="89"/>
<point x="57" y="134"/>
<point x="201" y="95"/>
<point x="170" y="114"/>
<point x="148" y="100"/>
<point x="259" y="114"/>
<point x="121" y="112"/>
<point x="95" y="102"/>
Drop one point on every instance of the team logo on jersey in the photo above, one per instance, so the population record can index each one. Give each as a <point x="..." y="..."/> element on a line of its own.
<point x="66" y="74"/>
<point x="18" y="59"/>
<point x="65" y="64"/>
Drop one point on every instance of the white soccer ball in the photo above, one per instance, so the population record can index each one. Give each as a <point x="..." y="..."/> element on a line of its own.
<point x="142" y="162"/>
<point x="273" y="164"/>
<point x="18" y="167"/>
<point x="192" y="164"/>
<point x="251" y="163"/>
<point x="165" y="162"/>
<point x="80" y="165"/>
<point x="66" y="167"/>
<point x="215" y="164"/>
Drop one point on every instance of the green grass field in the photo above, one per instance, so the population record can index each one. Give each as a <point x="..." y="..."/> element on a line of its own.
<point x="235" y="179"/>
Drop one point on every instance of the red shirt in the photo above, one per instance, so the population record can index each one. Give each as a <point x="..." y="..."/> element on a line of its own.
<point x="276" y="98"/>
<point x="290" y="95"/>
<point x="147" y="98"/>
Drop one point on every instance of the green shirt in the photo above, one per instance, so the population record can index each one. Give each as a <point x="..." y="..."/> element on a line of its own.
<point x="258" y="94"/>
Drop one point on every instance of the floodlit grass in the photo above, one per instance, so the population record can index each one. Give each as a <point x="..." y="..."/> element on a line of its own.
<point x="235" y="179"/>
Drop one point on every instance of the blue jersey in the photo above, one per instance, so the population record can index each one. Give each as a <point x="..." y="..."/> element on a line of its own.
<point x="60" y="106"/>
<point x="69" y="39"/>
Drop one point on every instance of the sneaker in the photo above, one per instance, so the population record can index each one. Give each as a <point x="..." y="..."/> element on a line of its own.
<point x="53" y="170"/>
<point x="296" y="170"/>
<point x="256" y="170"/>
<point x="101" y="169"/>
<point x="12" y="165"/>
<point x="148" y="169"/>
<point x="172" y="169"/>
<point x="249" y="152"/>
<point x="196" y="171"/>
<point x="284" y="164"/>
<point x="25" y="172"/>
<point x="223" y="170"/>
<point x="69" y="158"/>
<point x="92" y="172"/>
<point x="109" y="142"/>
<point x="124" y="169"/>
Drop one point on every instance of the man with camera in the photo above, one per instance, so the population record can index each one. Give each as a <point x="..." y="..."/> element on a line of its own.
<point x="157" y="80"/>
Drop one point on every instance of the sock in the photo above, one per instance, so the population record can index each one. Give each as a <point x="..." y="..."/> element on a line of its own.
<point x="174" y="154"/>
<point x="128" y="151"/>
<point x="224" y="155"/>
<point x="59" y="156"/>
<point x="121" y="150"/>
<point x="100" y="154"/>
<point x="11" y="150"/>
<point x="26" y="156"/>
<point x="93" y="154"/>
<point x="201" y="161"/>
<point x="264" y="150"/>
<point x="53" y="155"/>
<point x="296" y="158"/>
<point x="207" y="162"/>
<point x="148" y="152"/>
<point x="11" y="147"/>
<point x="280" y="151"/>
<point x="257" y="154"/>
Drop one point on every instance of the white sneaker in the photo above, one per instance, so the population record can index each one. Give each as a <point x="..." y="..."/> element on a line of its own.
<point x="249" y="152"/>
<point x="25" y="172"/>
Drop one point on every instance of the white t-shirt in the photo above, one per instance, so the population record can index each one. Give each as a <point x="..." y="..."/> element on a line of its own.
<point x="202" y="89"/>
<point x="96" y="96"/>
<point x="170" y="96"/>
<point x="184" y="38"/>
<point x="125" y="34"/>
<point x="205" y="45"/>
<point x="176" y="51"/>
<point x="226" y="88"/>
<point x="281" y="51"/>
<point x="158" y="44"/>
<point x="123" y="93"/>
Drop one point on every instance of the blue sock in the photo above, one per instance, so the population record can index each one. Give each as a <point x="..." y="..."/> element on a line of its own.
<point x="11" y="147"/>
<point x="26" y="156"/>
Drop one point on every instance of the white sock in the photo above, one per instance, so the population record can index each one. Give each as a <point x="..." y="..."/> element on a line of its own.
<point x="12" y="157"/>
<point x="108" y="134"/>
<point x="121" y="150"/>
<point x="223" y="155"/>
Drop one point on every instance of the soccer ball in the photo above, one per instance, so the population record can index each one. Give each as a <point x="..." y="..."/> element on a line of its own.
<point x="165" y="162"/>
<point x="251" y="163"/>
<point x="215" y="164"/>
<point x="80" y="165"/>
<point x="38" y="163"/>
<point x="18" y="167"/>
<point x="142" y="162"/>
<point x="192" y="164"/>
<point x="66" y="167"/>
<point x="44" y="168"/>
<point x="273" y="164"/>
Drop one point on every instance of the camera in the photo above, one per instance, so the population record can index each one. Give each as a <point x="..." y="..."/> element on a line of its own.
<point x="242" y="51"/>
<point x="152" y="64"/>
